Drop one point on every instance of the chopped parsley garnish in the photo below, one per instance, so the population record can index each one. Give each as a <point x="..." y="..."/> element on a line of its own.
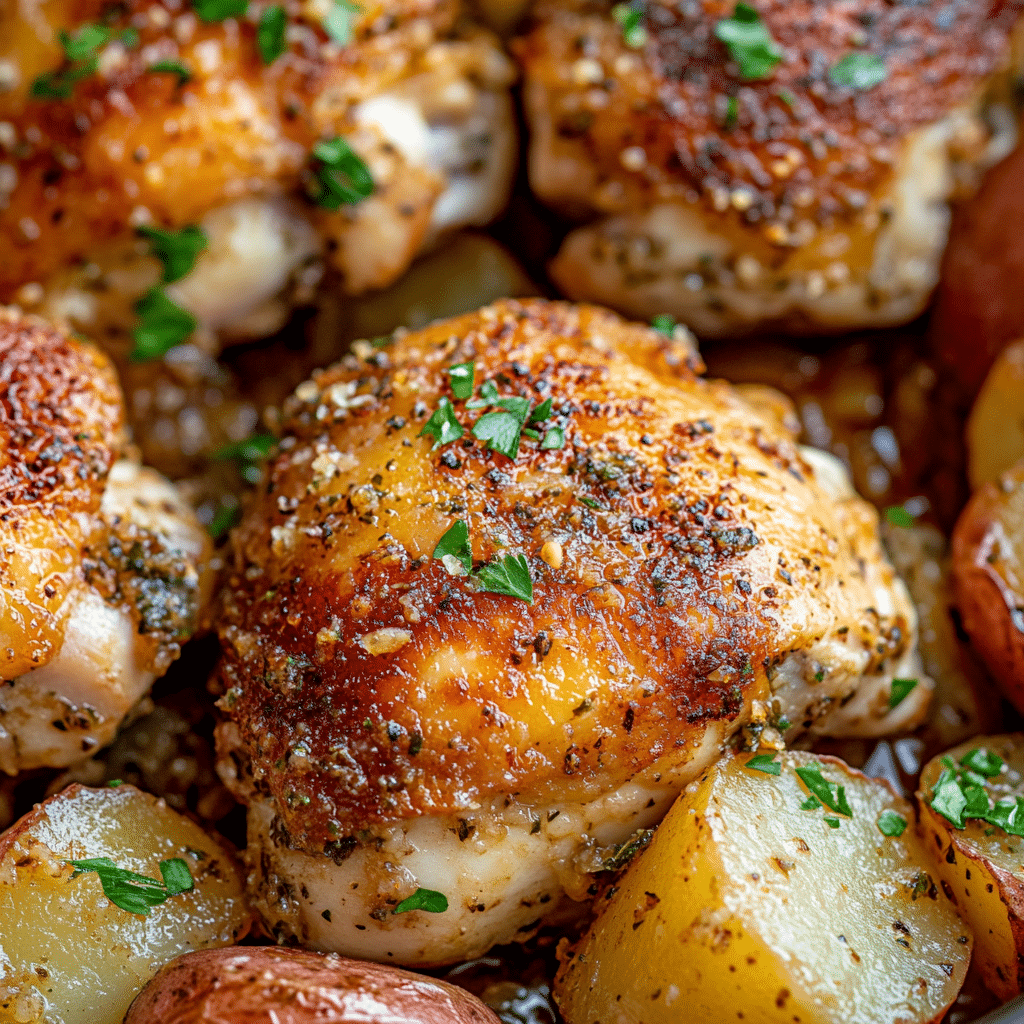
<point x="176" y="250"/>
<point x="455" y="543"/>
<point x="502" y="431"/>
<point x="226" y="516"/>
<point x="897" y="515"/>
<point x="831" y="822"/>
<point x="488" y="396"/>
<point x="891" y="824"/>
<point x="463" y="378"/>
<point x="630" y="17"/>
<point x="984" y="762"/>
<point x="248" y="454"/>
<point x="219" y="10"/>
<point x="554" y="437"/>
<point x="900" y="690"/>
<point x="85" y="43"/>
<point x="341" y="176"/>
<point x="428" y="900"/>
<point x="442" y="426"/>
<point x="338" y="23"/>
<point x="764" y="763"/>
<point x="732" y="112"/>
<point x="812" y="803"/>
<point x="81" y="59"/>
<point x="133" y="892"/>
<point x="665" y="324"/>
<point x="859" y="71"/>
<point x="171" y="67"/>
<point x="628" y="850"/>
<point x="750" y="43"/>
<point x="830" y="794"/>
<point x="162" y="325"/>
<point x="270" y="33"/>
<point x="509" y="576"/>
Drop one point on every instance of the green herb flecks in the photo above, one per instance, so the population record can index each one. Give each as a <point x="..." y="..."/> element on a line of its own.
<point x="249" y="454"/>
<point x="861" y="71"/>
<point x="984" y="762"/>
<point x="339" y="21"/>
<point x="428" y="900"/>
<point x="900" y="690"/>
<point x="812" y="803"/>
<point x="897" y="515"/>
<point x="270" y="33"/>
<point x="959" y="793"/>
<point x="133" y="892"/>
<point x="764" y="763"/>
<point x="630" y="18"/>
<point x="442" y="426"/>
<point x="220" y="10"/>
<point x="171" y="67"/>
<point x="162" y="324"/>
<point x="341" y="178"/>
<point x="830" y="794"/>
<point x="891" y="824"/>
<point x="749" y="42"/>
<point x="463" y="378"/>
<point x="455" y="544"/>
<point x="509" y="576"/>
<point x="665" y="324"/>
<point x="176" y="250"/>
<point x="81" y="59"/>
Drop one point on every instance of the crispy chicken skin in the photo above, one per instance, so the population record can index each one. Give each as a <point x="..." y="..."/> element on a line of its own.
<point x="104" y="569"/>
<point x="393" y="725"/>
<point x="420" y="97"/>
<point x="788" y="200"/>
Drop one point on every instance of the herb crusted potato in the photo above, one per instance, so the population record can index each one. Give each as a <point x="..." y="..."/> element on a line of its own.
<point x="778" y="889"/>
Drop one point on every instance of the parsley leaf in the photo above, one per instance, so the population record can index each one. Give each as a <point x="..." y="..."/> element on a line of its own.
<point x="1008" y="814"/>
<point x="248" y="453"/>
<point x="749" y="42"/>
<point x="542" y="412"/>
<point x="463" y="378"/>
<point x="948" y="799"/>
<point x="764" y="763"/>
<point x="554" y="437"/>
<point x="812" y="803"/>
<point x="859" y="71"/>
<point x="429" y="900"/>
<point x="219" y="10"/>
<point x="984" y="762"/>
<point x="509" y="576"/>
<point x="226" y="516"/>
<point x="81" y="57"/>
<point x="270" y="33"/>
<point x="338" y="23"/>
<point x="455" y="543"/>
<point x="176" y="250"/>
<point x="629" y="17"/>
<point x="341" y="176"/>
<point x="897" y="515"/>
<point x="442" y="426"/>
<point x="59" y="85"/>
<point x="664" y="323"/>
<point x="488" y="396"/>
<point x="171" y="67"/>
<point x="133" y="892"/>
<point x="891" y="824"/>
<point x="831" y="795"/>
<point x="85" y="43"/>
<point x="162" y="325"/>
<point x="831" y="822"/>
<point x="503" y="430"/>
<point x="900" y="690"/>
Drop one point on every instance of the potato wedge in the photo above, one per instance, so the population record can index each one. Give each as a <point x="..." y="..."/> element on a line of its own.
<point x="295" y="986"/>
<point x="982" y="865"/>
<point x="751" y="902"/>
<point x="995" y="428"/>
<point x="988" y="576"/>
<point x="68" y="954"/>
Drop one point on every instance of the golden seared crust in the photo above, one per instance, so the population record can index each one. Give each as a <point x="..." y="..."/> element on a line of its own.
<point x="129" y="139"/>
<point x="60" y="420"/>
<point x="673" y="120"/>
<point x="679" y="548"/>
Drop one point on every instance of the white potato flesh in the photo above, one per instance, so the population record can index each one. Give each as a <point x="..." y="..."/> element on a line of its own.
<point x="747" y="906"/>
<point x="68" y="955"/>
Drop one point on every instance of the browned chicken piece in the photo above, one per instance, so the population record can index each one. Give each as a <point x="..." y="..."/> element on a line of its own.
<point x="787" y="162"/>
<point x="104" y="571"/>
<point x="119" y="120"/>
<point x="477" y="671"/>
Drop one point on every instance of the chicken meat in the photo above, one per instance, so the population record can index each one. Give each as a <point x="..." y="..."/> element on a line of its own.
<point x="786" y="162"/>
<point x="508" y="584"/>
<point x="266" y="140"/>
<point x="105" y="571"/>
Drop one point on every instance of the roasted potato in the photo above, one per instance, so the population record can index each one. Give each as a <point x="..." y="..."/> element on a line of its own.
<point x="755" y="901"/>
<point x="995" y="429"/>
<point x="988" y="574"/>
<point x="70" y="954"/>
<point x="982" y="864"/>
<point x="978" y="308"/>
<point x="295" y="986"/>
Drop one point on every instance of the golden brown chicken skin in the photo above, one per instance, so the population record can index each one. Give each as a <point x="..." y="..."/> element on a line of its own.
<point x="182" y="122"/>
<point x="730" y="192"/>
<point x="686" y="570"/>
<point x="104" y="569"/>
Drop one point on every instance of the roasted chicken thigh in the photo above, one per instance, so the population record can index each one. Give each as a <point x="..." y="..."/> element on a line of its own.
<point x="507" y="585"/>
<point x="786" y="161"/>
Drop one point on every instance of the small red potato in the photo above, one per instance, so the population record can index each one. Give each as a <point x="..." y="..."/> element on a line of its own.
<point x="296" y="986"/>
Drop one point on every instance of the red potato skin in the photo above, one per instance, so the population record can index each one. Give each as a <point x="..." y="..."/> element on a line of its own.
<point x="989" y="605"/>
<point x="256" y="984"/>
<point x="978" y="308"/>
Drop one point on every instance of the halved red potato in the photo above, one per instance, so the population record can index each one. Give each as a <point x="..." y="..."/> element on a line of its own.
<point x="296" y="986"/>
